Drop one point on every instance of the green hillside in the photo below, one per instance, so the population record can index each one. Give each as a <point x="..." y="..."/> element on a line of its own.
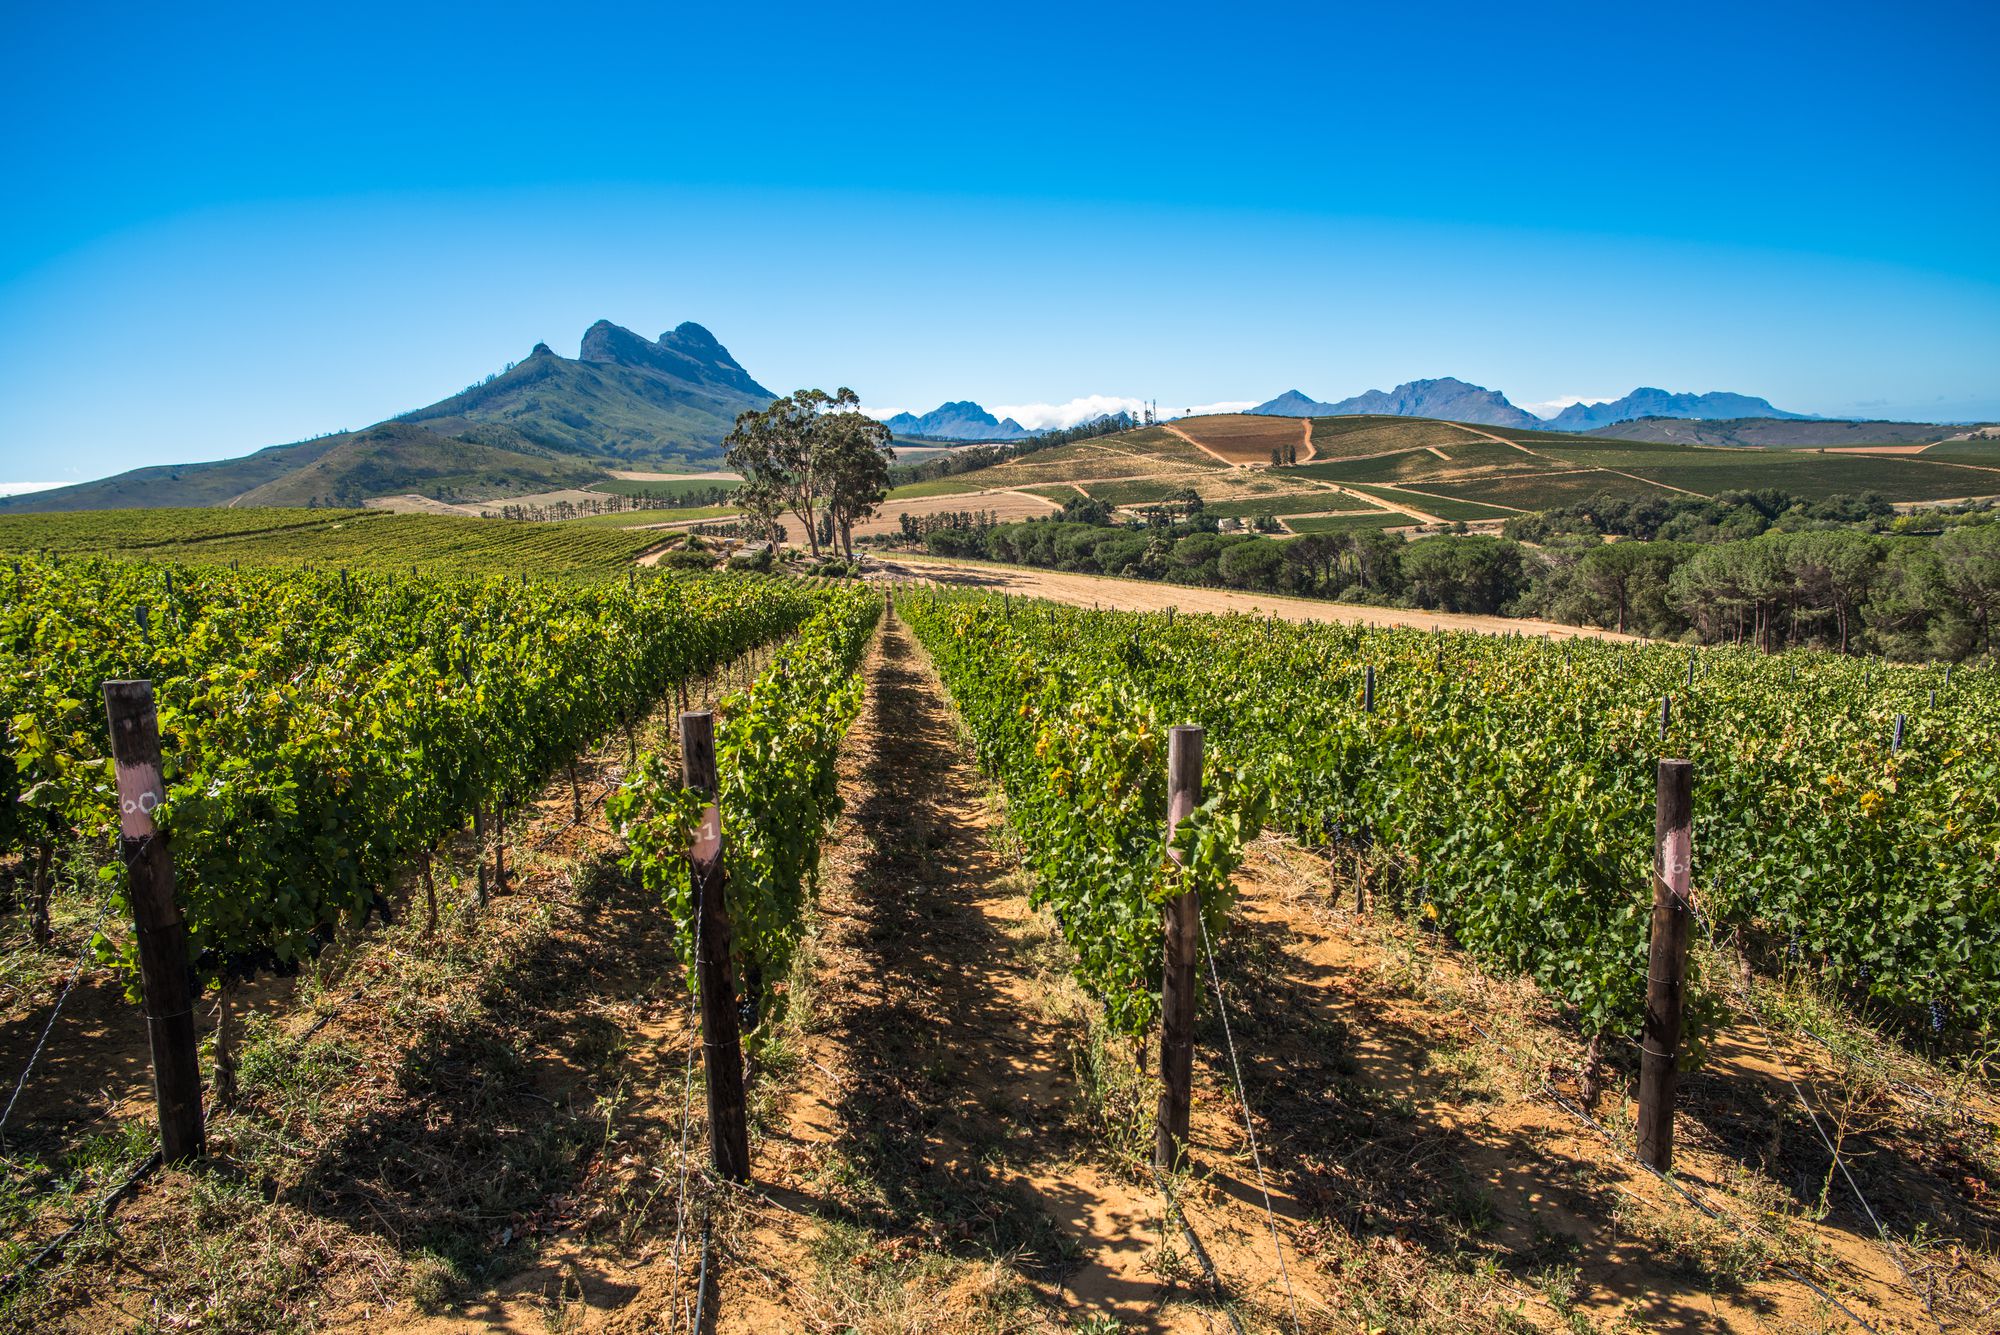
<point x="1411" y="467"/>
<point x="1777" y="432"/>
<point x="624" y="401"/>
<point x="548" y="422"/>
<point x="355" y="539"/>
<point x="485" y="461"/>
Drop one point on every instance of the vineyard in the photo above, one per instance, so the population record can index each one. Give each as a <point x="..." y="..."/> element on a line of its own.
<point x="1503" y="788"/>
<point x="487" y="1079"/>
<point x="329" y="540"/>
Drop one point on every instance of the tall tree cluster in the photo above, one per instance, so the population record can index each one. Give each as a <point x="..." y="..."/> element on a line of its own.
<point x="815" y="456"/>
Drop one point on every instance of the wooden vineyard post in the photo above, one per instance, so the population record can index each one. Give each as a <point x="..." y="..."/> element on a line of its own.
<point x="479" y="839"/>
<point x="1666" y="971"/>
<point x="721" y="1043"/>
<point x="163" y="959"/>
<point x="1368" y="689"/>
<point x="1183" y="931"/>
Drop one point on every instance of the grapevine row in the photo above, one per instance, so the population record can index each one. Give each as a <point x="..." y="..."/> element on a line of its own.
<point x="323" y="732"/>
<point x="1081" y="756"/>
<point x="1508" y="787"/>
<point x="776" y="746"/>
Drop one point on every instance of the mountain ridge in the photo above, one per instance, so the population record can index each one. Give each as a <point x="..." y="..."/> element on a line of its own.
<point x="1715" y="405"/>
<point x="1446" y="397"/>
<point x="960" y="419"/>
<point x="1456" y="400"/>
<point x="543" y="423"/>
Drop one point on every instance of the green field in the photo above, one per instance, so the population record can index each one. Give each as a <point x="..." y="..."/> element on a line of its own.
<point x="359" y="540"/>
<point x="962" y="485"/>
<point x="1134" y="493"/>
<point x="651" y="518"/>
<point x="1965" y="451"/>
<point x="1346" y="523"/>
<point x="1543" y="491"/>
<point x="1298" y="503"/>
<point x="1442" y="506"/>
<point x="1421" y="465"/>
<point x="136" y="530"/>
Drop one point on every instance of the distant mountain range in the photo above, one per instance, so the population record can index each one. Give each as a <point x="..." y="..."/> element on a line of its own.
<point x="962" y="420"/>
<point x="626" y="402"/>
<point x="1457" y="401"/>
<point x="1447" y="398"/>
<point x="546" y="422"/>
<point x="1659" y="403"/>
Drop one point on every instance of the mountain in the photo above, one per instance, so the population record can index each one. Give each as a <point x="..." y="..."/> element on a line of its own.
<point x="963" y="420"/>
<point x="544" y="423"/>
<point x="623" y="397"/>
<point x="1659" y="403"/>
<point x="1448" y="398"/>
<point x="1293" y="404"/>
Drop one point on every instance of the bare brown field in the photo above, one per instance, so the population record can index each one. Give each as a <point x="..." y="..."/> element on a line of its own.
<point x="1244" y="438"/>
<point x="1004" y="505"/>
<point x="1133" y="595"/>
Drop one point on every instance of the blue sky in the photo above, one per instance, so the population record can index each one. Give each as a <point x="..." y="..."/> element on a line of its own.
<point x="228" y="228"/>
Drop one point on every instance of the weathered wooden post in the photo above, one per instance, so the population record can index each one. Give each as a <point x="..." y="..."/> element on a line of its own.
<point x="1666" y="971"/>
<point x="1896" y="738"/>
<point x="721" y="1043"/>
<point x="1368" y="689"/>
<point x="1183" y="932"/>
<point x="1666" y="710"/>
<point x="163" y="956"/>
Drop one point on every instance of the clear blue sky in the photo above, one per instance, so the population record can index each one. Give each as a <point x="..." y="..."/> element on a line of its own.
<point x="227" y="228"/>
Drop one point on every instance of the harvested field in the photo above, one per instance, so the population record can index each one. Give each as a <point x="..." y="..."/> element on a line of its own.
<point x="1245" y="438"/>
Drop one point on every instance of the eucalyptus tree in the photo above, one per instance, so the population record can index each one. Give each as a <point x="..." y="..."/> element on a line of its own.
<point x="814" y="455"/>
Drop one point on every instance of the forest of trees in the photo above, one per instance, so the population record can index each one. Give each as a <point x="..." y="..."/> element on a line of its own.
<point x="1846" y="574"/>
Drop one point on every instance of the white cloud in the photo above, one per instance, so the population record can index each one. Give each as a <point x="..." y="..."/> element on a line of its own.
<point x="20" y="488"/>
<point x="1553" y="406"/>
<point x="882" y="414"/>
<point x="1041" y="416"/>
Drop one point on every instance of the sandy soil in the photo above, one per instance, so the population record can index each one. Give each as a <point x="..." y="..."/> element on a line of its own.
<point x="413" y="504"/>
<point x="1146" y="596"/>
<point x="1399" y="1087"/>
<point x="1007" y="504"/>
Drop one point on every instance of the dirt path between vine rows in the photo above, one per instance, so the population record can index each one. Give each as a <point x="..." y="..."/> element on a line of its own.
<point x="934" y="1168"/>
<point x="1410" y="1101"/>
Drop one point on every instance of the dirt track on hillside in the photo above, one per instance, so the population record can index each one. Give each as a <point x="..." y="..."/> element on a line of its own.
<point x="1129" y="595"/>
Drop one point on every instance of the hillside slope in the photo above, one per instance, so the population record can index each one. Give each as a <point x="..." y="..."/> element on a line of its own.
<point x="400" y="456"/>
<point x="1392" y="471"/>
<point x="621" y="399"/>
<point x="1778" y="433"/>
<point x="549" y="421"/>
